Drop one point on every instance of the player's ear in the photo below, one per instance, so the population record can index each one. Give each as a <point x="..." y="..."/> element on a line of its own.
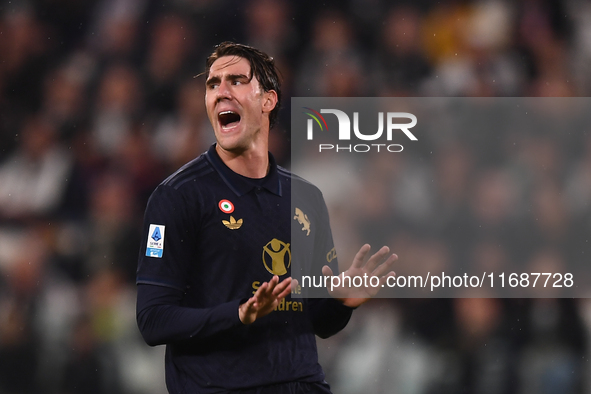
<point x="269" y="101"/>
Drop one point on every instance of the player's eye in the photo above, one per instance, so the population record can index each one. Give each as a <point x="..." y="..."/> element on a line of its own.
<point x="212" y="84"/>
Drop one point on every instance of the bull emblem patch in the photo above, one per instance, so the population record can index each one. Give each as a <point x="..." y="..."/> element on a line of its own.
<point x="302" y="219"/>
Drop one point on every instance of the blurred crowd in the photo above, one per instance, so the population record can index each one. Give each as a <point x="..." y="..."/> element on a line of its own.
<point x="99" y="103"/>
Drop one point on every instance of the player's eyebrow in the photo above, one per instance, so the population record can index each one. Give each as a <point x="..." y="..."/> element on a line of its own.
<point x="230" y="77"/>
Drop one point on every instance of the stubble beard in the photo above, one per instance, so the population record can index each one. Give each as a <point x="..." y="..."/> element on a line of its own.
<point x="239" y="145"/>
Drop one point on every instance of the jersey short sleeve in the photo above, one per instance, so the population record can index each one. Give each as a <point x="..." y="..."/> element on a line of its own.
<point x="168" y="238"/>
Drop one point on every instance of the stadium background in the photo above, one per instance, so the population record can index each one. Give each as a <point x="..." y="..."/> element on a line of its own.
<point x="98" y="104"/>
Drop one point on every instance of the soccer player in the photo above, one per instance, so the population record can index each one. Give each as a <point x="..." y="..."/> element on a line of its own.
<point x="213" y="274"/>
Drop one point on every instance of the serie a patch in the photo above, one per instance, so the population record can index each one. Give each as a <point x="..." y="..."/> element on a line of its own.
<point x="155" y="243"/>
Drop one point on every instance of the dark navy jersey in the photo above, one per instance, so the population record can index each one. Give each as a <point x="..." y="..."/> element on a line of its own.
<point x="211" y="238"/>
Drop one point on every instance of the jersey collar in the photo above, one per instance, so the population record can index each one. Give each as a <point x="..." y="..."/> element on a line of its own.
<point x="240" y="184"/>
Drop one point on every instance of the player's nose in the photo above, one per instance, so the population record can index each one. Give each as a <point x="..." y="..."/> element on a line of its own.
<point x="223" y="91"/>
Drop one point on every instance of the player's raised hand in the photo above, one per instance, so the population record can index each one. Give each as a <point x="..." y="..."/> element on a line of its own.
<point x="265" y="300"/>
<point x="372" y="275"/>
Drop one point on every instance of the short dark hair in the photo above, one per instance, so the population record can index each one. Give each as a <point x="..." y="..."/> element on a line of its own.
<point x="262" y="66"/>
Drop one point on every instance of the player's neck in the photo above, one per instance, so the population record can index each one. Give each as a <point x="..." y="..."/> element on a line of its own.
<point x="252" y="163"/>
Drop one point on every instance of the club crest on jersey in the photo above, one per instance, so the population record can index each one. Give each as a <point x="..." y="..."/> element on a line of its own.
<point x="226" y="206"/>
<point x="233" y="224"/>
<point x="302" y="219"/>
<point x="155" y="243"/>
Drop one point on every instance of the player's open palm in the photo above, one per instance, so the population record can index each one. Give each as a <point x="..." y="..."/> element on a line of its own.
<point x="363" y="279"/>
<point x="265" y="300"/>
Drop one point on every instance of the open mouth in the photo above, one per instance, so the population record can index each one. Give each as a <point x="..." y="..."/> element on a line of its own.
<point x="228" y="119"/>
